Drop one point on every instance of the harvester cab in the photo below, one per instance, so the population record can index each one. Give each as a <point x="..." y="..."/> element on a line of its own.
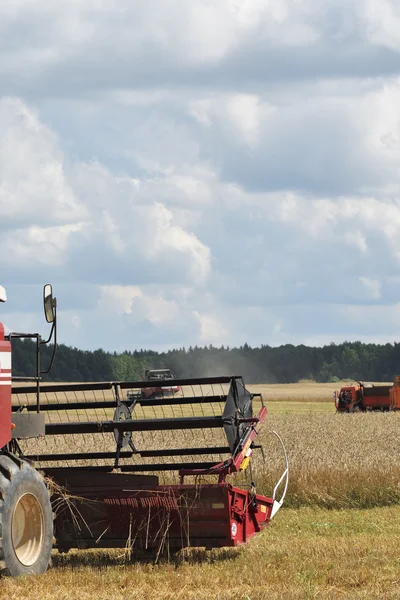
<point x="161" y="384"/>
<point x="154" y="474"/>
<point x="348" y="398"/>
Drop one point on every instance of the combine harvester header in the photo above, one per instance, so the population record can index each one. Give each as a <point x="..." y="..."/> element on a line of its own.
<point x="103" y="448"/>
<point x="141" y="437"/>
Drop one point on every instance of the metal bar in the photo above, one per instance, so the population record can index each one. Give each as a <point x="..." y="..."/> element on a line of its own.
<point x="136" y="425"/>
<point x="95" y="468"/>
<point x="82" y="404"/>
<point x="71" y="405"/>
<point x="15" y="334"/>
<point x="185" y="451"/>
<point x="218" y="469"/>
<point x="129" y="454"/>
<point x="174" y="382"/>
<point x="167" y="466"/>
<point x="188" y="451"/>
<point x="180" y="400"/>
<point x="77" y="456"/>
<point x="38" y="374"/>
<point x="65" y="387"/>
<point x="138" y="468"/>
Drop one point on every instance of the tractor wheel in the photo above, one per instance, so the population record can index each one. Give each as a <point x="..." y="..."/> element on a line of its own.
<point x="26" y="519"/>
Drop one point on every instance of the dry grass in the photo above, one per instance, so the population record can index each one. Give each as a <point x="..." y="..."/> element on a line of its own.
<point x="306" y="391"/>
<point x="335" y="460"/>
<point x="304" y="554"/>
<point x="306" y="397"/>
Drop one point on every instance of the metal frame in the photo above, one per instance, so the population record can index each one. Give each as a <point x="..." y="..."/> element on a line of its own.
<point x="248" y="426"/>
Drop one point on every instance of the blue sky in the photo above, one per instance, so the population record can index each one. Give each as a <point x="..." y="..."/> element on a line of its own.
<point x="201" y="172"/>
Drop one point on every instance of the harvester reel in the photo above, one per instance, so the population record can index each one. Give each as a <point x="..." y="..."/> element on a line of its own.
<point x="133" y="503"/>
<point x="122" y="413"/>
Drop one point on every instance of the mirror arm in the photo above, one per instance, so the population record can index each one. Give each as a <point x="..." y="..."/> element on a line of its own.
<point x="44" y="342"/>
<point x="53" y="330"/>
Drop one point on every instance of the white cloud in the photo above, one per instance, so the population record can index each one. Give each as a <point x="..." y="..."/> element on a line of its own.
<point x="382" y="22"/>
<point x="203" y="172"/>
<point x="38" y="245"/>
<point x="212" y="331"/>
<point x="246" y="114"/>
<point x="372" y="286"/>
<point x="140" y="304"/>
<point x="33" y="184"/>
<point x="120" y="219"/>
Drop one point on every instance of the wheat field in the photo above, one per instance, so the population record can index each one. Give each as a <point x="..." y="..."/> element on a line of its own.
<point x="336" y="537"/>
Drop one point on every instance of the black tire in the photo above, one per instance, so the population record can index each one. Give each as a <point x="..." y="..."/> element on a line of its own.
<point x="26" y="519"/>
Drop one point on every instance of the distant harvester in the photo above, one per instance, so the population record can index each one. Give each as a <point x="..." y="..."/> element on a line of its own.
<point x="365" y="396"/>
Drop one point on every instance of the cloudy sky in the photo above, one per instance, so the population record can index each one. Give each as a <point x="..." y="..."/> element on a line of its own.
<point x="203" y="171"/>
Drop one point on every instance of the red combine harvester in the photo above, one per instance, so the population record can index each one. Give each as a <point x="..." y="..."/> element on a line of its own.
<point x="93" y="455"/>
<point x="161" y="384"/>
<point x="363" y="397"/>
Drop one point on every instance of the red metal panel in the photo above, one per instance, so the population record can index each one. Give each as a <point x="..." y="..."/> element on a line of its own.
<point x="376" y="402"/>
<point x="5" y="389"/>
<point x="249" y="514"/>
<point x="208" y="515"/>
<point x="395" y="396"/>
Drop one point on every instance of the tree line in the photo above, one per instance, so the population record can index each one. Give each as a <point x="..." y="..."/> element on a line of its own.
<point x="264" y="364"/>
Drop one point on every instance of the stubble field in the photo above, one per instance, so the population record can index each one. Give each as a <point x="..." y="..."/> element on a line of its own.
<point x="336" y="537"/>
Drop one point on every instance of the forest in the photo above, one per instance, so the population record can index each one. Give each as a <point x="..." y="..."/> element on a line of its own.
<point x="265" y="364"/>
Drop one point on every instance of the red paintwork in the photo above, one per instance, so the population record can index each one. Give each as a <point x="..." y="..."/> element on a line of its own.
<point x="5" y="392"/>
<point x="179" y="516"/>
<point x="394" y="394"/>
<point x="233" y="465"/>
<point x="376" y="402"/>
<point x="156" y="391"/>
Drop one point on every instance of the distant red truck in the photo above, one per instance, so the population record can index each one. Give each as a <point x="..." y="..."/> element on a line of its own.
<point x="361" y="396"/>
<point x="161" y="387"/>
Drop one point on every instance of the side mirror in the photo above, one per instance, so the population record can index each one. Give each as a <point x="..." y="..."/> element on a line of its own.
<point x="49" y="303"/>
